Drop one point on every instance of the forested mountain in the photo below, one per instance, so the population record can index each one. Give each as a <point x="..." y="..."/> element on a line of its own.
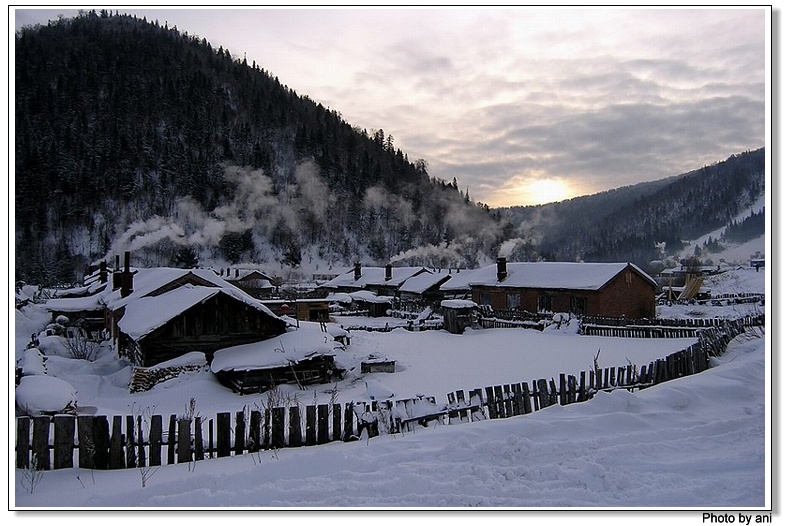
<point x="647" y="221"/>
<point x="134" y="136"/>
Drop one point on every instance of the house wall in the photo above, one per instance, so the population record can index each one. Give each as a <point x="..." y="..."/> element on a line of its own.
<point x="216" y="324"/>
<point x="628" y="295"/>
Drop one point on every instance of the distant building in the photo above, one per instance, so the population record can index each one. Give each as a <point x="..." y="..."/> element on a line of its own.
<point x="595" y="289"/>
<point x="383" y="281"/>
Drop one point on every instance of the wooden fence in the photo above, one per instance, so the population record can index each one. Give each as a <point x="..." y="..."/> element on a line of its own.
<point x="655" y="327"/>
<point x="66" y="441"/>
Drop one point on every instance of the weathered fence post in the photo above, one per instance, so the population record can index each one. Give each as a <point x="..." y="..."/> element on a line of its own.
<point x="543" y="394"/>
<point x="131" y="454"/>
<point x="141" y="456"/>
<point x="86" y="446"/>
<point x="155" y="439"/>
<point x="116" y="456"/>
<point x="64" y="441"/>
<point x="337" y="421"/>
<point x="348" y="421"/>
<point x="255" y="432"/>
<point x="322" y="424"/>
<point x="41" y="442"/>
<point x="199" y="447"/>
<point x="311" y="425"/>
<point x="101" y="441"/>
<point x="23" y="442"/>
<point x="490" y="402"/>
<point x="563" y="394"/>
<point x="223" y="435"/>
<point x="508" y="403"/>
<point x="171" y="439"/>
<point x="295" y="434"/>
<point x="526" y="398"/>
<point x="277" y="428"/>
<point x="184" y="440"/>
<point x="500" y="406"/>
<point x="240" y="432"/>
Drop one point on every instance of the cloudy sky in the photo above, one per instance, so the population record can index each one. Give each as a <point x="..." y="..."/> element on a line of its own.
<point x="521" y="106"/>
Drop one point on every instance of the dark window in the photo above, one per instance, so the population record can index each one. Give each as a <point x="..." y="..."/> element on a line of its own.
<point x="544" y="303"/>
<point x="512" y="300"/>
<point x="579" y="305"/>
<point x="485" y="298"/>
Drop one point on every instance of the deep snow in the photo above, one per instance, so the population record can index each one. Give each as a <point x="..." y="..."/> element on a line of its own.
<point x="694" y="444"/>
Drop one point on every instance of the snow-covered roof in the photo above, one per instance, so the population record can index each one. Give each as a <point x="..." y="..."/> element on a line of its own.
<point x="374" y="276"/>
<point x="423" y="282"/>
<point x="291" y="347"/>
<point x="369" y="297"/>
<point x="543" y="275"/>
<point x="146" y="314"/>
<point x="458" y="304"/>
<point x="150" y="280"/>
<point x="88" y="303"/>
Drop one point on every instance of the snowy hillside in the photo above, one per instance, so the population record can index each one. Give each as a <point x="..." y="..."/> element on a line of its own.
<point x="733" y="253"/>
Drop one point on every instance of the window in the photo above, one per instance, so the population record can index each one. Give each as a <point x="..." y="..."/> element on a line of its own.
<point x="512" y="300"/>
<point x="579" y="305"/>
<point x="544" y="303"/>
<point x="485" y="298"/>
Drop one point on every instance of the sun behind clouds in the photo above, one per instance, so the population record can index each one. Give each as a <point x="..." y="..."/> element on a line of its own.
<point x="543" y="191"/>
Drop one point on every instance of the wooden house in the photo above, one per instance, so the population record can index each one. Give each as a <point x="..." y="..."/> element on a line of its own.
<point x="253" y="282"/>
<point x="594" y="289"/>
<point x="306" y="309"/>
<point x="424" y="287"/>
<point x="163" y="313"/>
<point x="383" y="281"/>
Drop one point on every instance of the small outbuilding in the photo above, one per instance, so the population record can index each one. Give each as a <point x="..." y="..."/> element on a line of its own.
<point x="458" y="315"/>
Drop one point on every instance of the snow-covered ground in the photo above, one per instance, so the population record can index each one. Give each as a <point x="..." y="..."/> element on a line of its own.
<point x="694" y="444"/>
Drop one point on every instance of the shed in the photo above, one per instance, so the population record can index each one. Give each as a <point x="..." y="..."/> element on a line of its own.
<point x="458" y="315"/>
<point x="301" y="356"/>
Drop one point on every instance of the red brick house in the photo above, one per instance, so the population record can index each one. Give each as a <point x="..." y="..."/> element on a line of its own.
<point x="593" y="289"/>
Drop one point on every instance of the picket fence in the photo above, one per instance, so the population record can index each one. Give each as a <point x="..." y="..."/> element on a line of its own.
<point x="140" y="441"/>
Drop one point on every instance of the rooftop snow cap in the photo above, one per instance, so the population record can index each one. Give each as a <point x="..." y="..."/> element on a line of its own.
<point x="502" y="269"/>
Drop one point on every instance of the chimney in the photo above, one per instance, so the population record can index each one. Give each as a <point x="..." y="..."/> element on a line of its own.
<point x="357" y="271"/>
<point x="502" y="270"/>
<point x="237" y="273"/>
<point x="116" y="274"/>
<point x="102" y="272"/>
<point x="126" y="278"/>
<point x="388" y="272"/>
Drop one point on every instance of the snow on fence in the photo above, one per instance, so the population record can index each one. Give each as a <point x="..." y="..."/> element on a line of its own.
<point x="139" y="441"/>
<point x="656" y="327"/>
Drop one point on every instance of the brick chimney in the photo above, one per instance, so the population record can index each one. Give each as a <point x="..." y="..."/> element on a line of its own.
<point x="388" y="272"/>
<point x="102" y="272"/>
<point x="116" y="274"/>
<point x="357" y="272"/>
<point x="127" y="277"/>
<point x="502" y="269"/>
